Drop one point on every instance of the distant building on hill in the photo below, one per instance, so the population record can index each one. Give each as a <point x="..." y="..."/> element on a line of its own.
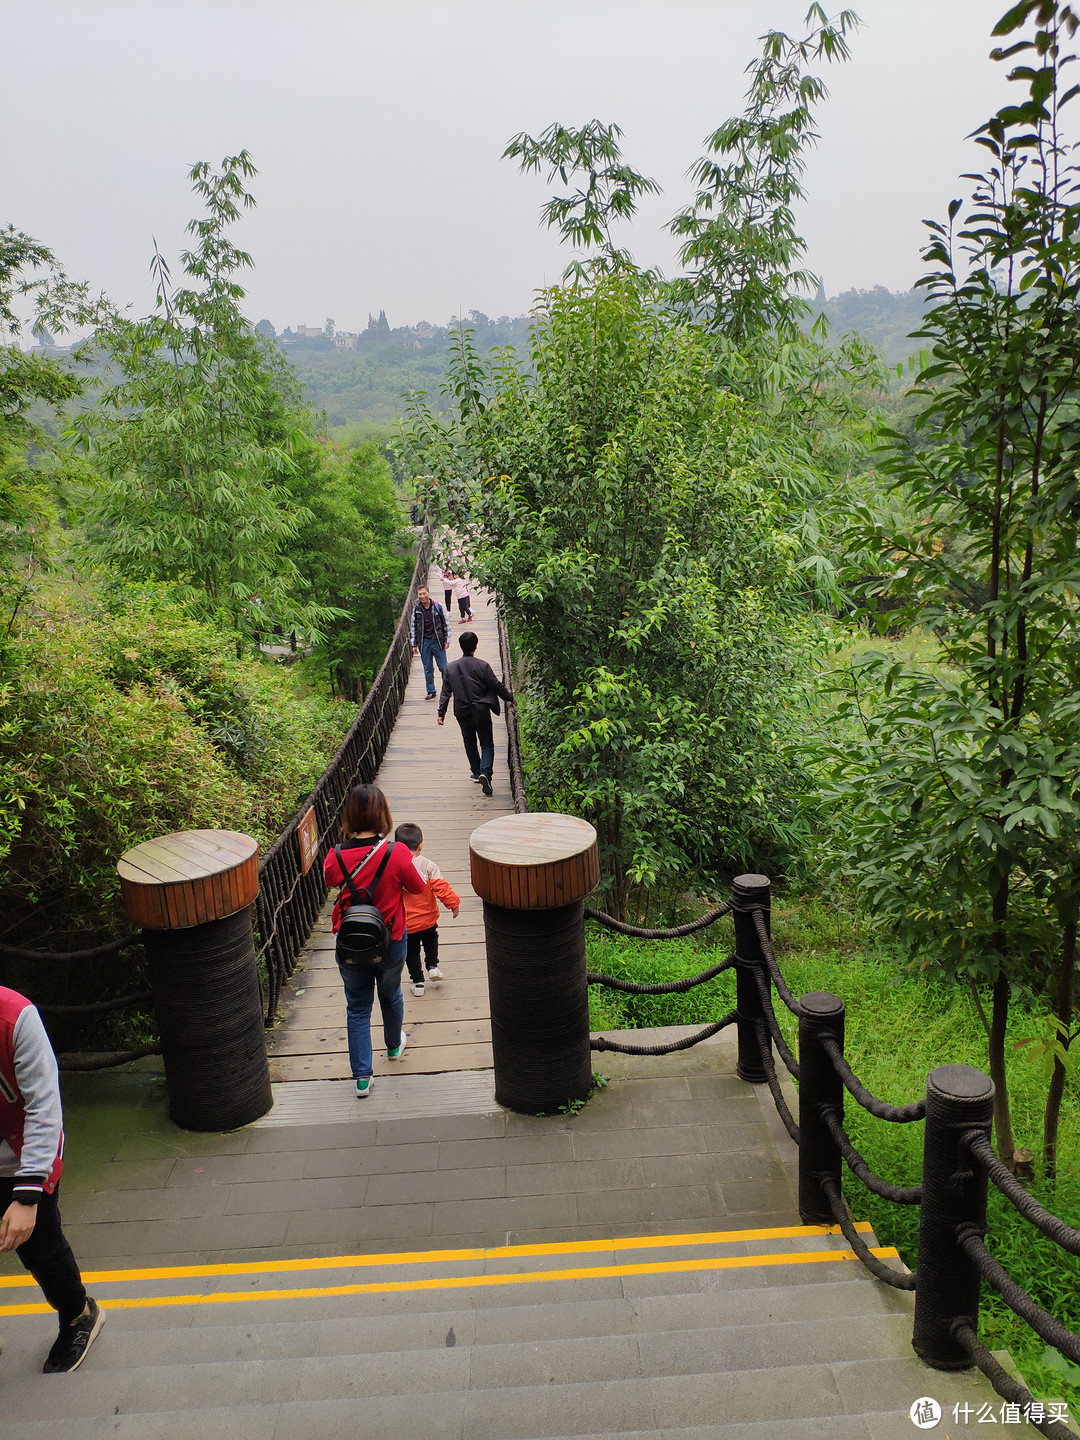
<point x="346" y="340"/>
<point x="310" y="332"/>
<point x="424" y="331"/>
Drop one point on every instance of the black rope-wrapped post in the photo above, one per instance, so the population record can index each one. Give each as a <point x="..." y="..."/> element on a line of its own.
<point x="749" y="893"/>
<point x="194" y="893"/>
<point x="533" y="873"/>
<point x="958" y="1098"/>
<point x="820" y="1087"/>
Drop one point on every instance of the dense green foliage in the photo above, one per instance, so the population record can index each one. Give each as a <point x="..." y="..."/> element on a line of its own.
<point x="612" y="499"/>
<point x="958" y="804"/>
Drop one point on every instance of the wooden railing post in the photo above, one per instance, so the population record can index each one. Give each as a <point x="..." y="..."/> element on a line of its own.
<point x="821" y="1014"/>
<point x="193" y="895"/>
<point x="533" y="873"/>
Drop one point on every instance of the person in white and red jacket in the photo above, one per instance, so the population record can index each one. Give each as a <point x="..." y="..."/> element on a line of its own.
<point x="31" y="1160"/>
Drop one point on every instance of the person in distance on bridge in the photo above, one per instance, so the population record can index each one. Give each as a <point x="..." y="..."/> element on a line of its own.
<point x="476" y="690"/>
<point x="430" y="634"/>
<point x="31" y="1159"/>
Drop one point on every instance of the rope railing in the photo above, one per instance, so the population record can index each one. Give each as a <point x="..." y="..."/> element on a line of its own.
<point x="773" y="1082"/>
<point x="773" y="1025"/>
<point x="999" y="1175"/>
<point x="1031" y="1410"/>
<point x="1015" y="1296"/>
<point x="95" y="952"/>
<point x="662" y="987"/>
<point x="641" y="932"/>
<point x="873" y="1263"/>
<point x="899" y="1194"/>
<point x="601" y="1042"/>
<point x="896" y="1114"/>
<point x="765" y="941"/>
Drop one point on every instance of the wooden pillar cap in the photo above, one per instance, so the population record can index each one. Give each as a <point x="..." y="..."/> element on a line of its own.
<point x="534" y="862"/>
<point x="188" y="878"/>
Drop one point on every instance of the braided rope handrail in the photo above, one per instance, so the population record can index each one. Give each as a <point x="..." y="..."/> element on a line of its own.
<point x="774" y="967"/>
<point x="95" y="952"/>
<point x="1008" y="1388"/>
<point x="600" y="1042"/>
<point x="771" y="1021"/>
<point x="643" y="933"/>
<point x="100" y="1007"/>
<point x="773" y="1082"/>
<point x="106" y="1059"/>
<point x="662" y="987"/>
<point x="969" y="1238"/>
<point x="901" y="1194"/>
<point x="876" y="1267"/>
<point x="897" y="1114"/>
<point x="980" y="1149"/>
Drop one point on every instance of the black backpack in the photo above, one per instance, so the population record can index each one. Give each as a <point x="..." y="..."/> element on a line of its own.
<point x="363" y="936"/>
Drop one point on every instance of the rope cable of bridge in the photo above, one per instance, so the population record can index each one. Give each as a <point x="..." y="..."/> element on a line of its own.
<point x="980" y="1149"/>
<point x="771" y="1021"/>
<point x="771" y="960"/>
<point x="100" y="1007"/>
<point x="842" y="1216"/>
<point x="1009" y="1389"/>
<point x="969" y="1238"/>
<point x="662" y="987"/>
<point x="95" y="952"/>
<point x="773" y="1082"/>
<point x="642" y="932"/>
<point x="600" y="1042"/>
<point x="900" y="1194"/>
<point x="106" y="1059"/>
<point x="897" y="1114"/>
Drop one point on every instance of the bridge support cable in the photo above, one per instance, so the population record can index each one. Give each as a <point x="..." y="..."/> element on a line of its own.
<point x="601" y="1042"/>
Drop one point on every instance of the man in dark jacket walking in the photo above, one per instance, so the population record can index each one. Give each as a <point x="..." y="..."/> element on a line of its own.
<point x="476" y="690"/>
<point x="430" y="633"/>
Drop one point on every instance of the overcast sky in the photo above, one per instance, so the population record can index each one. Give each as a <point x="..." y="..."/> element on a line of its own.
<point x="377" y="127"/>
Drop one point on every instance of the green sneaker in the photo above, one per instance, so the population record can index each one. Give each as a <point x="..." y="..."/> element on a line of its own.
<point x="397" y="1054"/>
<point x="363" y="1088"/>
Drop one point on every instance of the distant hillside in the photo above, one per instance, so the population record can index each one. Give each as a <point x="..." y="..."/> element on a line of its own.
<point x="362" y="385"/>
<point x="884" y="317"/>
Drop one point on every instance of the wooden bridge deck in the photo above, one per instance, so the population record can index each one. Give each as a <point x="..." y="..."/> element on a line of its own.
<point x="426" y="779"/>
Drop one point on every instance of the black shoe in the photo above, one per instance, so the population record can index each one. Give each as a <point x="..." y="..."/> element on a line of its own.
<point x="430" y="695"/>
<point x="485" y="784"/>
<point x="74" y="1340"/>
<point x="475" y="779"/>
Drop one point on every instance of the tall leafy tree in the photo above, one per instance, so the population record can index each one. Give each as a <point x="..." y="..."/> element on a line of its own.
<point x="196" y="436"/>
<point x="964" y="791"/>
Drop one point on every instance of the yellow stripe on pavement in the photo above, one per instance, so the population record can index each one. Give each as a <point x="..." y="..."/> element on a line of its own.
<point x="421" y="1257"/>
<point x="465" y="1282"/>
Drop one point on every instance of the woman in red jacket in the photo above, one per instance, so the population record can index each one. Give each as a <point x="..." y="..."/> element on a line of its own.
<point x="366" y="830"/>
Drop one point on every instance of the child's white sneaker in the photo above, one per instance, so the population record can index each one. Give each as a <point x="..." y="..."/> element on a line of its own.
<point x="416" y="989"/>
<point x="434" y="974"/>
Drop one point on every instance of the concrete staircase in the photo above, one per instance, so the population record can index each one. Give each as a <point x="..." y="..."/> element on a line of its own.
<point x="742" y="1335"/>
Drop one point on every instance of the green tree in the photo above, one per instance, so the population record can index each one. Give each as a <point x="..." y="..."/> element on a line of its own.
<point x="964" y="790"/>
<point x="196" y="437"/>
<point x="608" y="494"/>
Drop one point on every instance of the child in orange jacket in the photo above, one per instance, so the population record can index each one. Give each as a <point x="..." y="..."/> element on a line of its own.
<point x="422" y="911"/>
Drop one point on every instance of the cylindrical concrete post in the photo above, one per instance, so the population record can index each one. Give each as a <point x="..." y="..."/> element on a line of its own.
<point x="820" y="1086"/>
<point x="947" y="1282"/>
<point x="533" y="873"/>
<point x="749" y="893"/>
<point x="192" y="893"/>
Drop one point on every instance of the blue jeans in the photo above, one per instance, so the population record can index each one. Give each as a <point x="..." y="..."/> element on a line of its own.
<point x="431" y="650"/>
<point x="361" y="983"/>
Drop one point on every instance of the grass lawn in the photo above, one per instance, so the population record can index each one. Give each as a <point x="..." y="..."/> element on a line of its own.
<point x="899" y="1026"/>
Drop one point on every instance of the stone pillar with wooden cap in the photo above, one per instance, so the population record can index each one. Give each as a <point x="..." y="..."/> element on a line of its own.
<point x="533" y="873"/>
<point x="192" y="893"/>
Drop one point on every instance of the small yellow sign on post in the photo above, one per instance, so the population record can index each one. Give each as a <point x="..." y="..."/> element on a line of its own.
<point x="307" y="832"/>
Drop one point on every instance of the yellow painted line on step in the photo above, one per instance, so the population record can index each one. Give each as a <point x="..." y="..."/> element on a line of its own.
<point x="468" y="1282"/>
<point x="423" y="1257"/>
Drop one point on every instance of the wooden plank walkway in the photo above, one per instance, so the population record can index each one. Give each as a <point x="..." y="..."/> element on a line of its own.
<point x="426" y="779"/>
